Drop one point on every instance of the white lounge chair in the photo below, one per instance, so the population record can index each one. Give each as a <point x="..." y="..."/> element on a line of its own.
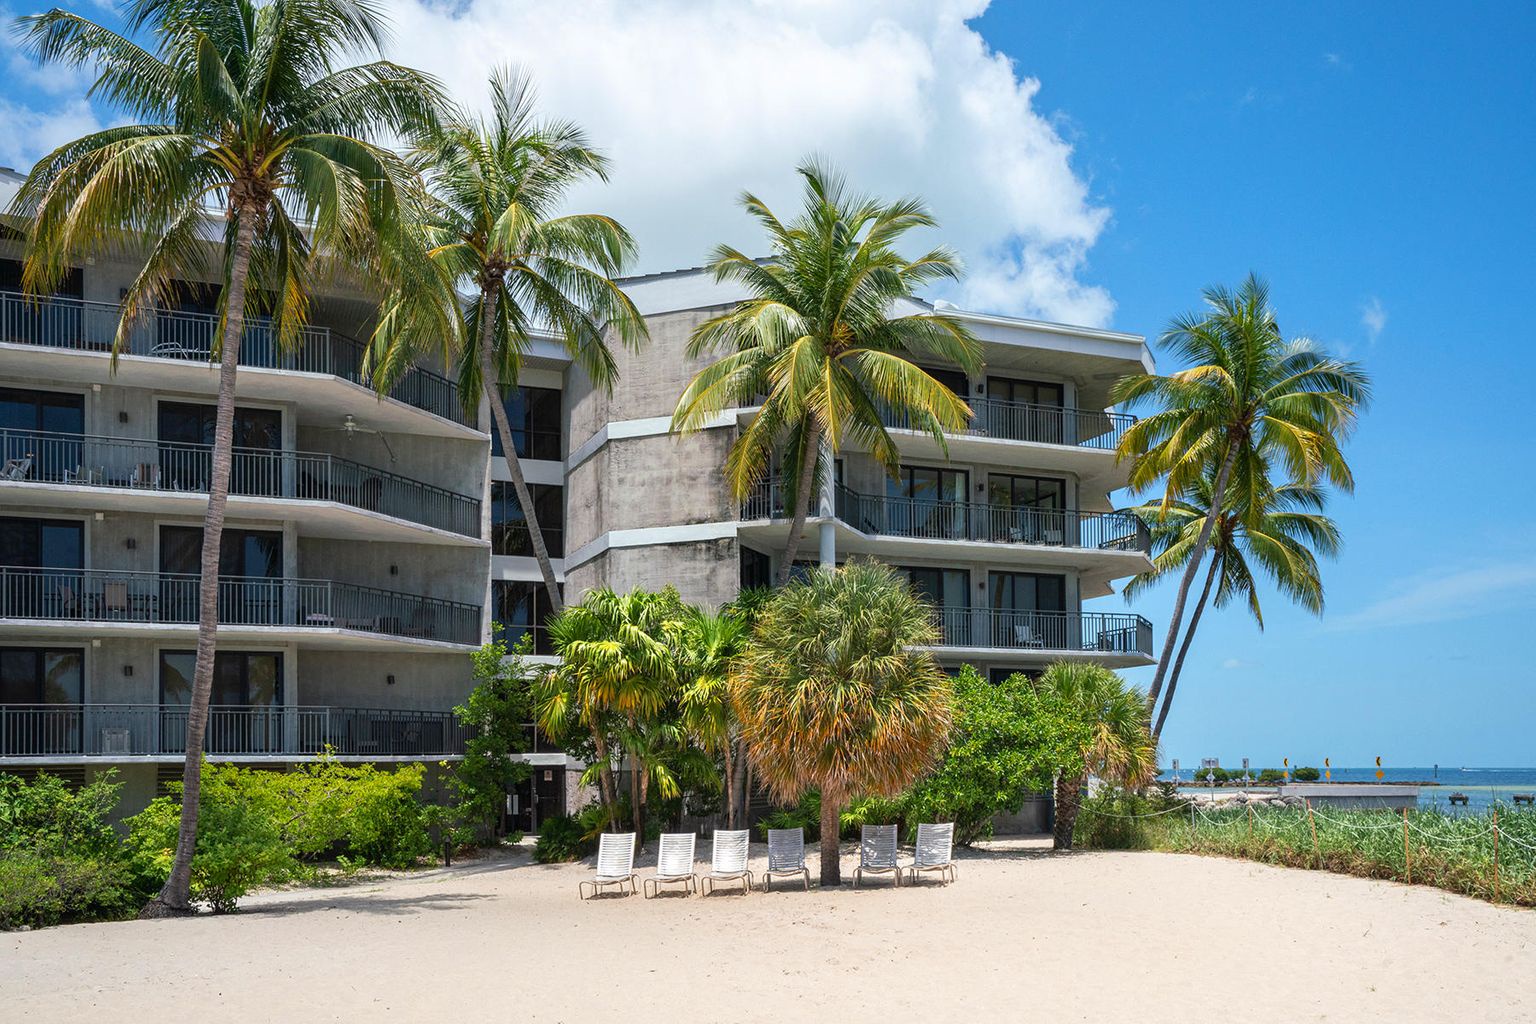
<point x="674" y="863"/>
<point x="786" y="856"/>
<point x="935" y="850"/>
<point x="728" y="860"/>
<point x="16" y="469"/>
<point x="877" y="853"/>
<point x="615" y="863"/>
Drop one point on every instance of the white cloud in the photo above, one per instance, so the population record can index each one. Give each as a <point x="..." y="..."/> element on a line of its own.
<point x="1234" y="664"/>
<point x="1446" y="594"/>
<point x="27" y="133"/>
<point x="696" y="100"/>
<point x="1373" y="317"/>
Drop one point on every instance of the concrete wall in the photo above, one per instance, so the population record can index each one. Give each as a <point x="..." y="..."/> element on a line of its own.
<point x="704" y="572"/>
<point x="423" y="682"/>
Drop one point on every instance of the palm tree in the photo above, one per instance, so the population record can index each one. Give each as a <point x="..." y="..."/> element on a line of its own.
<point x="835" y="693"/>
<point x="709" y="652"/>
<point x="1111" y="725"/>
<point x="825" y="340"/>
<point x="495" y="188"/>
<point x="1247" y="400"/>
<point x="618" y="669"/>
<point x="1276" y="529"/>
<point x="240" y="109"/>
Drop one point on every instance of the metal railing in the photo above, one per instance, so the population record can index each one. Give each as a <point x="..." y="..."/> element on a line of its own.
<point x="99" y="461"/>
<point x="1099" y="632"/>
<point x="127" y="730"/>
<point x="97" y="595"/>
<point x="87" y="326"/>
<point x="895" y="516"/>
<point x="1041" y="424"/>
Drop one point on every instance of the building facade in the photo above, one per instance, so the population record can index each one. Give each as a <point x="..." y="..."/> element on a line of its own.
<point x="371" y="541"/>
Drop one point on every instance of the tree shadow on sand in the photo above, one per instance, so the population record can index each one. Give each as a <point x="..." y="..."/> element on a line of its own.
<point x="367" y="903"/>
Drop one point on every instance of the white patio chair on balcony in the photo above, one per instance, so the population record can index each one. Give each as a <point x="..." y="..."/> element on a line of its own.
<point x="728" y="860"/>
<point x="935" y="852"/>
<point x="1025" y="636"/>
<point x="674" y="863"/>
<point x="615" y="864"/>
<point x="877" y="853"/>
<point x="786" y="856"/>
<point x="16" y="469"/>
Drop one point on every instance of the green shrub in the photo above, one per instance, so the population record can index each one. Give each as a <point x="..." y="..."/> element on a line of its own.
<point x="1271" y="776"/>
<point x="495" y="712"/>
<point x="561" y="838"/>
<point x="870" y="810"/>
<point x="239" y="843"/>
<point x="1306" y="774"/>
<point x="806" y="814"/>
<point x="47" y="816"/>
<point x="36" y="891"/>
<point x="1116" y="819"/>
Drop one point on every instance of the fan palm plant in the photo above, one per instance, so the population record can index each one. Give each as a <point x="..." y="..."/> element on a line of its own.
<point x="835" y="693"/>
<point x="242" y="111"/>
<point x="618" y="670"/>
<point x="1248" y="401"/>
<point x="709" y="652"/>
<point x="1275" y="530"/>
<point x="1114" y="744"/>
<point x="492" y="224"/>
<point x="826" y="341"/>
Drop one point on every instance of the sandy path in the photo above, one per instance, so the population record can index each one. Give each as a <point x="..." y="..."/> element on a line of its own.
<point x="1099" y="937"/>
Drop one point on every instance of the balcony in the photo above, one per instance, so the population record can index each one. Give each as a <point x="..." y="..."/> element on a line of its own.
<point x="79" y="325"/>
<point x="132" y="602"/>
<point x="1121" y="638"/>
<point x="70" y="731"/>
<point x="1039" y="424"/>
<point x="920" y="519"/>
<point x="84" y="460"/>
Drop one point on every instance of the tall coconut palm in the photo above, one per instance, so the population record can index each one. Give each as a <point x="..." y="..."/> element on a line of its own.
<point x="494" y="226"/>
<point x="709" y="652"/>
<point x="835" y="693"/>
<point x="1247" y="402"/>
<point x="828" y="339"/>
<point x="618" y="668"/>
<point x="1115" y="745"/>
<point x="243" y="111"/>
<point x="1275" y="530"/>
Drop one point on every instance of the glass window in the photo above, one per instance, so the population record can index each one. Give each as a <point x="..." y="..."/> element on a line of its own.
<point x="928" y="502"/>
<point x="1027" y="592"/>
<point x="521" y="607"/>
<point x="57" y="411"/>
<point x="509" y="530"/>
<point x="41" y="675"/>
<point x="1027" y="491"/>
<point x="755" y="569"/>
<point x="42" y="543"/>
<point x="256" y="553"/>
<point x="240" y="678"/>
<point x="192" y="423"/>
<point x="955" y="380"/>
<point x="944" y="588"/>
<point x="1034" y="392"/>
<point x="535" y="418"/>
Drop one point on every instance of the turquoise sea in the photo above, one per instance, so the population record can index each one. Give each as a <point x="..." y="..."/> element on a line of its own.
<point x="1482" y="786"/>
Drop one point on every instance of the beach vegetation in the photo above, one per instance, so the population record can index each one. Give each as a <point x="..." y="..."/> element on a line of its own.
<point x="836" y="694"/>
<point x="1249" y="411"/>
<point x="60" y="859"/>
<point x="825" y="342"/>
<point x="1306" y="774"/>
<point x="494" y="224"/>
<point x="246" y="111"/>
<point x="496" y="714"/>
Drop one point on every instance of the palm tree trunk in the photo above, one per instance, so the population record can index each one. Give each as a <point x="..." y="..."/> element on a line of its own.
<point x="1069" y="800"/>
<point x="1189" y="634"/>
<point x="605" y="775"/>
<point x="743" y="788"/>
<point x="802" y="499"/>
<point x="831" y="845"/>
<point x="175" y="895"/>
<point x="634" y="802"/>
<point x="730" y="785"/>
<point x="1176" y="617"/>
<point x="490" y="386"/>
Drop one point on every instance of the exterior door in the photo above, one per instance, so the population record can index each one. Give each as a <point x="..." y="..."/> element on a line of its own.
<point x="186" y="431"/>
<point x="41" y="689"/>
<point x="1027" y="610"/>
<point x="928" y="502"/>
<point x="1026" y="410"/>
<point x="40" y="568"/>
<point x="41" y="429"/>
<point x="250" y="575"/>
<point x="245" y="704"/>
<point x="1027" y="509"/>
<point x="948" y="590"/>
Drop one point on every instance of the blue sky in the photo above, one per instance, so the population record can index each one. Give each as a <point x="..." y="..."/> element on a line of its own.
<point x="1100" y="164"/>
<point x="1376" y="166"/>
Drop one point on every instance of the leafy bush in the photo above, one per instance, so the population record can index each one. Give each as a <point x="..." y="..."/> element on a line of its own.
<point x="1004" y="744"/>
<point x="1306" y="774"/>
<point x="496" y="710"/>
<point x="806" y="814"/>
<point x="561" y="838"/>
<point x="46" y="816"/>
<point x="239" y="843"/>
<point x="1119" y="819"/>
<point x="1271" y="776"/>
<point x="36" y="891"/>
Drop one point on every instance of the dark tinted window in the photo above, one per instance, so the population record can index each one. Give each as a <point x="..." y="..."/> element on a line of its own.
<point x="190" y="423"/>
<point x="241" y="552"/>
<point x="1005" y="389"/>
<point x="520" y="607"/>
<point x="41" y="675"/>
<point x="55" y="411"/>
<point x="240" y="678"/>
<point x="47" y="543"/>
<point x="755" y="571"/>
<point x="509" y="528"/>
<point x="534" y="416"/>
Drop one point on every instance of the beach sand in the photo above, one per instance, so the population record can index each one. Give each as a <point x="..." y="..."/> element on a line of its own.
<point x="1023" y="934"/>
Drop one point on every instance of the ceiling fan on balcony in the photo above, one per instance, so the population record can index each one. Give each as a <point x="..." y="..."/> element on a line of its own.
<point x="352" y="428"/>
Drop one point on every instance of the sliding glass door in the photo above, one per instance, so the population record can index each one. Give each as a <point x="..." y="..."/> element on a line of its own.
<point x="1027" y="610"/>
<point x="250" y="571"/>
<point x="927" y="501"/>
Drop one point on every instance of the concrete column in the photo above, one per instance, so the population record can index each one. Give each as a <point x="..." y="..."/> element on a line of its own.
<point x="828" y="508"/>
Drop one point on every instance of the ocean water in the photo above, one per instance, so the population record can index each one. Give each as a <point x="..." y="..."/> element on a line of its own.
<point x="1483" y="787"/>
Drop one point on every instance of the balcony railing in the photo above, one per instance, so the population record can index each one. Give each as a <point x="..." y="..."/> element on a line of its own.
<point x="888" y="516"/>
<point x="1041" y="424"/>
<point x="127" y="730"/>
<point x="1098" y="632"/>
<point x="86" y="326"/>
<point x="157" y="598"/>
<point x="87" y="460"/>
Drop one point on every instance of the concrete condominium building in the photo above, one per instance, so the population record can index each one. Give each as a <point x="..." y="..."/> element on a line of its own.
<point x="371" y="542"/>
